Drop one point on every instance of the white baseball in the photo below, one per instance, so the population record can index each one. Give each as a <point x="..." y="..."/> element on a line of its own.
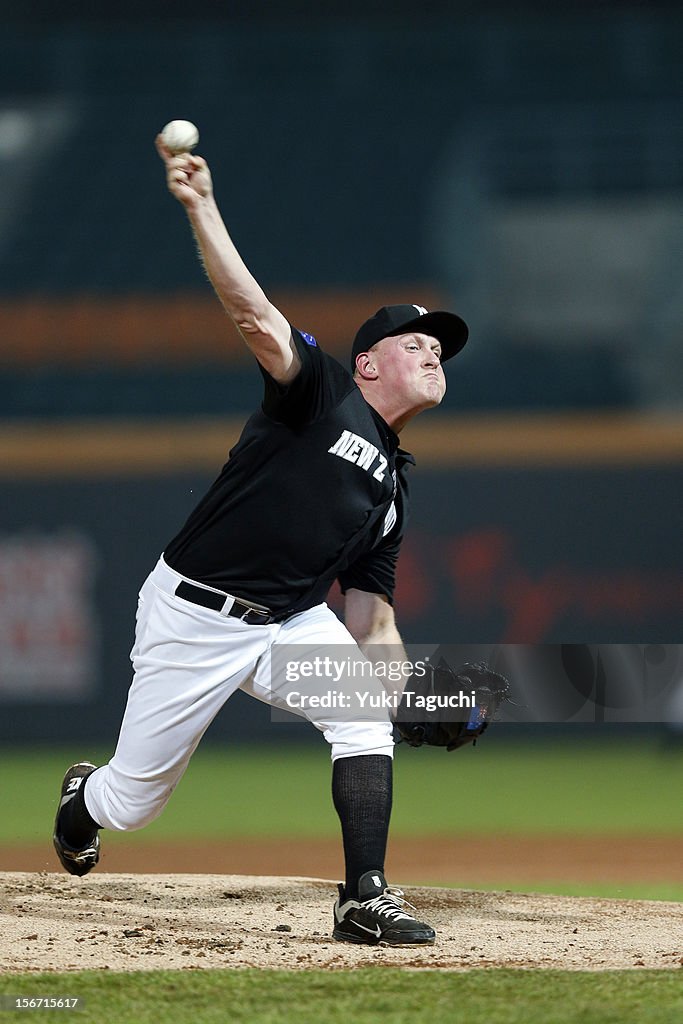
<point x="180" y="136"/>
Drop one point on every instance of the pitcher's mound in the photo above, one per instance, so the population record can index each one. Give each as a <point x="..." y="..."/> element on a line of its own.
<point x="125" y="922"/>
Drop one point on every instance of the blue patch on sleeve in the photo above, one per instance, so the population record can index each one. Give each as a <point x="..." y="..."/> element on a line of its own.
<point x="309" y="339"/>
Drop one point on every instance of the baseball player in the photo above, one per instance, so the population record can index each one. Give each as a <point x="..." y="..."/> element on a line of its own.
<point x="314" y="490"/>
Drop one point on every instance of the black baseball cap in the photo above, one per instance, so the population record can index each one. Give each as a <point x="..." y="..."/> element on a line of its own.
<point x="389" y="321"/>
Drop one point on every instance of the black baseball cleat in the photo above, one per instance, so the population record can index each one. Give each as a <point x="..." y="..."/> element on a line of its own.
<point x="76" y="861"/>
<point x="378" y="917"/>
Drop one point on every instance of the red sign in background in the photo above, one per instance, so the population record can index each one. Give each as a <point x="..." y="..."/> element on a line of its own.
<point x="545" y="556"/>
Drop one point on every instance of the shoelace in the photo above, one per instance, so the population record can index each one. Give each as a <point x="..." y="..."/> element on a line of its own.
<point x="390" y="903"/>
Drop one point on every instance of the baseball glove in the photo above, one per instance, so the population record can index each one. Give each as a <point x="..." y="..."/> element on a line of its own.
<point x="430" y="710"/>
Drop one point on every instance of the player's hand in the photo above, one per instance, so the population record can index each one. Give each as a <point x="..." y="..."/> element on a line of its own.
<point x="187" y="176"/>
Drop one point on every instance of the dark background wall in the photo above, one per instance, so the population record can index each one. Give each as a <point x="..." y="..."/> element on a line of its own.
<point x="524" y="167"/>
<point x="578" y="556"/>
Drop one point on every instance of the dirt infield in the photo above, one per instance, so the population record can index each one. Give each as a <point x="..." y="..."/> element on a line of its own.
<point x="239" y="913"/>
<point x="472" y="861"/>
<point x="124" y="922"/>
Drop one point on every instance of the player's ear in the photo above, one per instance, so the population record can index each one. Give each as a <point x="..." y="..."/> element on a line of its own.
<point x="365" y="366"/>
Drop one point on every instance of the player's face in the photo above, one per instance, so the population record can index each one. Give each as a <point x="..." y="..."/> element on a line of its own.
<point x="409" y="366"/>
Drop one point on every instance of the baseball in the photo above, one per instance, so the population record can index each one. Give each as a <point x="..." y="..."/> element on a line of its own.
<point x="180" y="136"/>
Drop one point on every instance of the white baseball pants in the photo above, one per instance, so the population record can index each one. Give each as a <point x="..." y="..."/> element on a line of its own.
<point x="187" y="661"/>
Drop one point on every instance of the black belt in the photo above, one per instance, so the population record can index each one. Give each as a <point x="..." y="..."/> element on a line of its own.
<point x="210" y="599"/>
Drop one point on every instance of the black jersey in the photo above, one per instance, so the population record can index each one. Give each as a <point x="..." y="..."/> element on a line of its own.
<point x="314" y="490"/>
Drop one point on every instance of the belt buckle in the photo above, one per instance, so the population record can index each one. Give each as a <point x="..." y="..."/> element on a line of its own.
<point x="261" y="618"/>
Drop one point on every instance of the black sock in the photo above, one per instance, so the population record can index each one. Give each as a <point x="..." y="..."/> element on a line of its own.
<point x="362" y="794"/>
<point x="74" y="824"/>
